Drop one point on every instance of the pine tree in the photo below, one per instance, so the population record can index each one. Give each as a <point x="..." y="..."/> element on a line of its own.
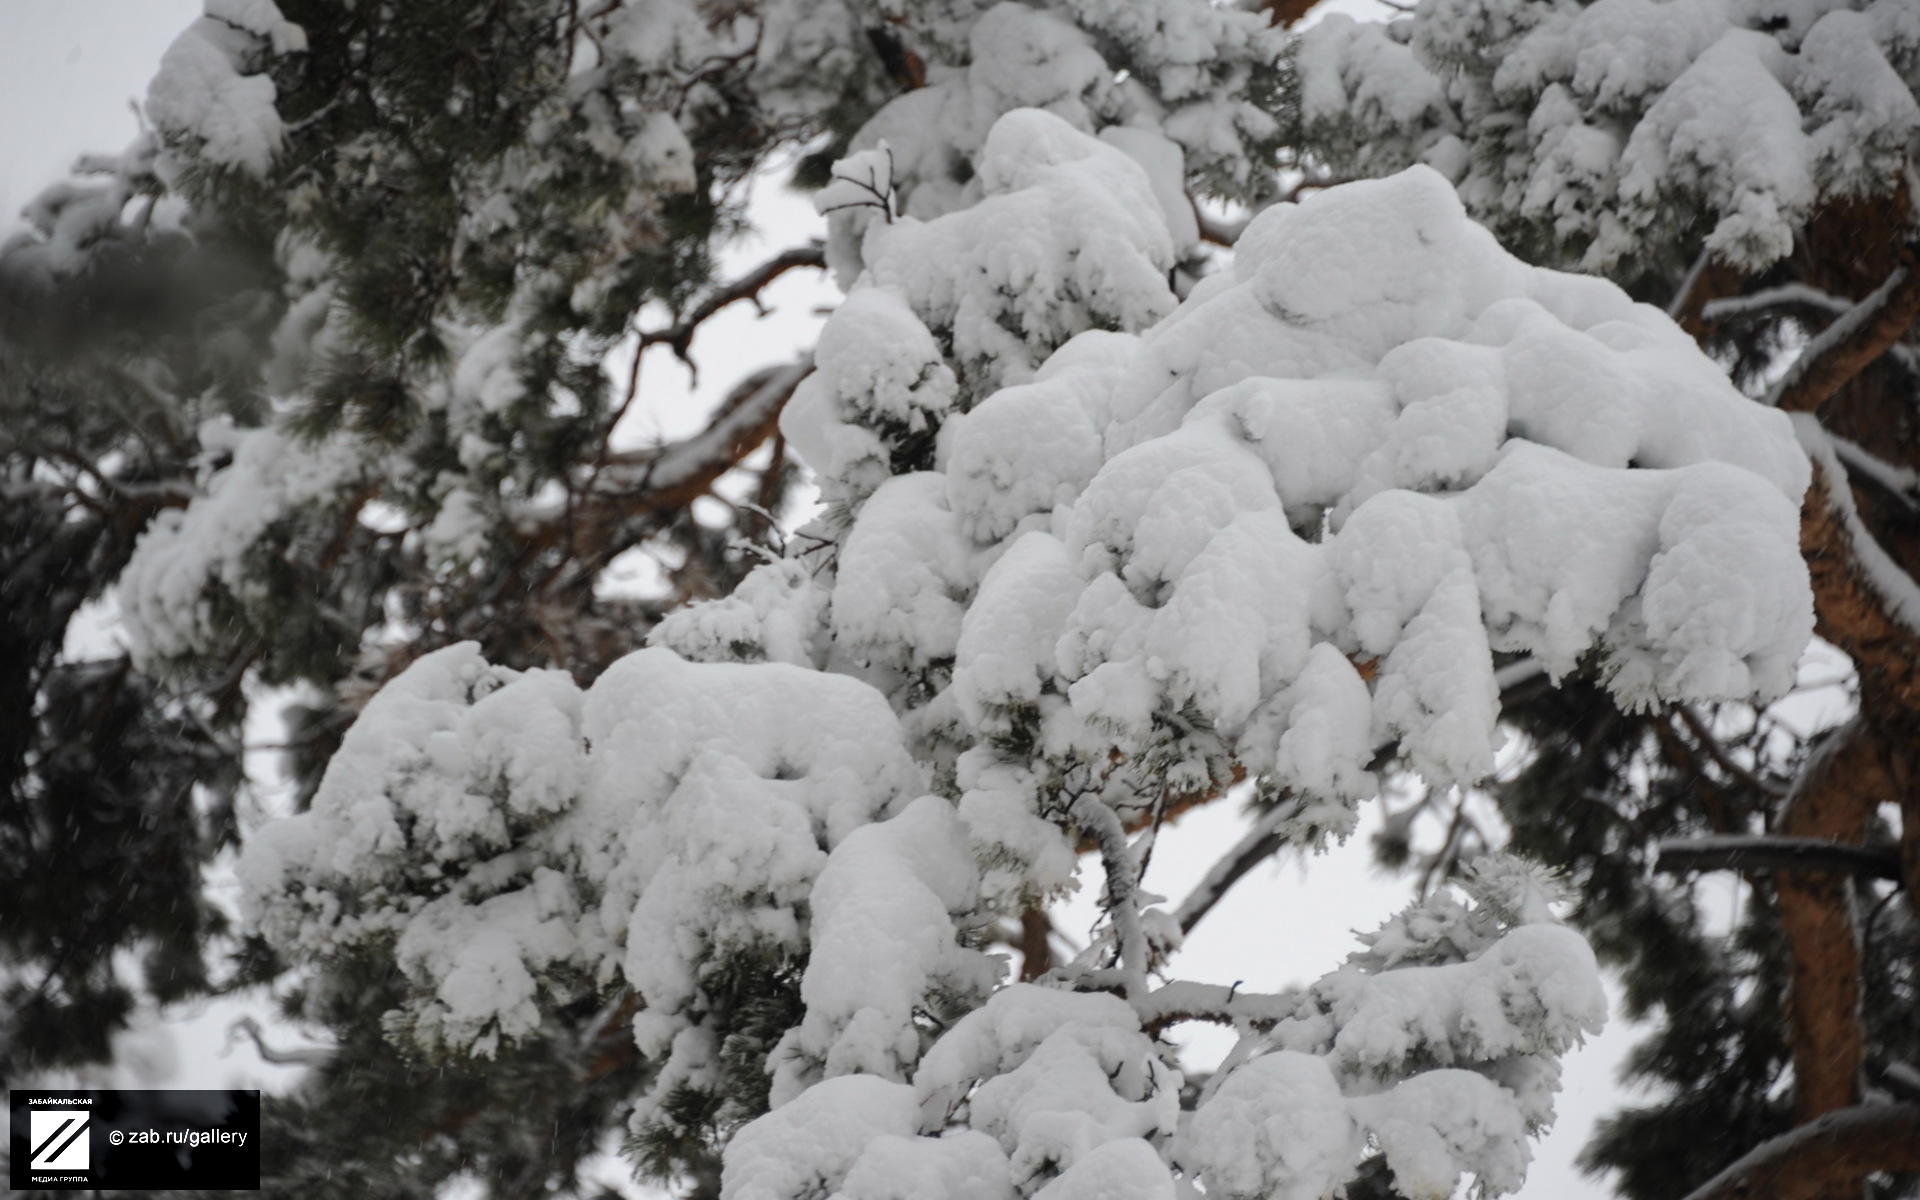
<point x="1108" y="531"/>
<point x="310" y="381"/>
<point x="115" y="789"/>
<point x="1089" y="550"/>
<point x="1748" y="167"/>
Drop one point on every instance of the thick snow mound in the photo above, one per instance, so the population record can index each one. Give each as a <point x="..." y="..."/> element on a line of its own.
<point x="1615" y="133"/>
<point x="210" y="93"/>
<point x="1380" y="437"/>
<point x="1290" y="526"/>
<point x="1287" y="526"/>
<point x="519" y="840"/>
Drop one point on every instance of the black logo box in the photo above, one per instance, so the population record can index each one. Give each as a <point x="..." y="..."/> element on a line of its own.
<point x="221" y="1164"/>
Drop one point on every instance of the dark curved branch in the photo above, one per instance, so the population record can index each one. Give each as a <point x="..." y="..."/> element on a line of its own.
<point x="1734" y="852"/>
<point x="1859" y="336"/>
<point x="620" y="499"/>
<point x="679" y="335"/>
<point x="1718" y="753"/>
<point x="673" y="476"/>
<point x="1261" y="842"/>
<point x="299" y="1056"/>
<point x="1815" y="1159"/>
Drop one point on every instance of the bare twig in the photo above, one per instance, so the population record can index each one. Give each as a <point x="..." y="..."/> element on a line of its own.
<point x="679" y="335"/>
<point x="1718" y="753"/>
<point x="1260" y="843"/>
<point x="1152" y="838"/>
<point x="882" y="196"/>
<point x="305" y="1056"/>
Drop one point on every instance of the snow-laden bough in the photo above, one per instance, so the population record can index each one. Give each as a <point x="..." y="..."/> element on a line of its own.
<point x="1282" y="528"/>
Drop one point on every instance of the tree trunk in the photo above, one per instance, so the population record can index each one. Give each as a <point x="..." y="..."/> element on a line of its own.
<point x="1834" y="800"/>
<point x="1861" y="541"/>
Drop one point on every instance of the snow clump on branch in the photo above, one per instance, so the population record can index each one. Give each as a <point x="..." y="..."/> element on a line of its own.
<point x="1603" y="134"/>
<point x="1340" y="478"/>
<point x="1090" y="550"/>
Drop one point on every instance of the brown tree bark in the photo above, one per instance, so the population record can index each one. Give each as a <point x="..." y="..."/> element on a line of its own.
<point x="1036" y="944"/>
<point x="1286" y="13"/>
<point x="1859" y="250"/>
<point x="1816" y="1160"/>
<point x="1833" y="800"/>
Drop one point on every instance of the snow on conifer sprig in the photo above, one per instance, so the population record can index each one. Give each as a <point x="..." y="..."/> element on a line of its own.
<point x="1614" y="135"/>
<point x="1280" y="529"/>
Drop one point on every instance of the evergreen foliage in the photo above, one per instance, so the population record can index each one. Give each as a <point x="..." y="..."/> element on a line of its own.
<point x="1748" y="167"/>
<point x="308" y="390"/>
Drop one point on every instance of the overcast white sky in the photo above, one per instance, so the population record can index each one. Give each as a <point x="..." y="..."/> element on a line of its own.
<point x="68" y="70"/>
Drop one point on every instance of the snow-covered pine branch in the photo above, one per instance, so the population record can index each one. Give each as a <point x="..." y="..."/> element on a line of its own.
<point x="1750" y="164"/>
<point x="455" y="356"/>
<point x="347" y="305"/>
<point x="1087" y="543"/>
<point x="1615" y="135"/>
